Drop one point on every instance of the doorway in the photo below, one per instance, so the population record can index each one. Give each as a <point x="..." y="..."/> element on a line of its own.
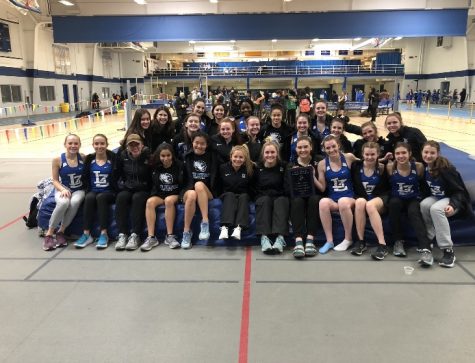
<point x="65" y="93"/>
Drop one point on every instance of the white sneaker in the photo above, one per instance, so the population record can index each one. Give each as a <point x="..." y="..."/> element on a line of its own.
<point x="133" y="242"/>
<point x="224" y="233"/>
<point x="236" y="233"/>
<point x="343" y="246"/>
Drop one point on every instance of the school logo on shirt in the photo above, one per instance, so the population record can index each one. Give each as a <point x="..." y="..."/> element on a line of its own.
<point x="75" y="181"/>
<point x="369" y="188"/>
<point x="101" y="180"/>
<point x="166" y="178"/>
<point x="339" y="185"/>
<point x="435" y="190"/>
<point x="243" y="176"/>
<point x="405" y="189"/>
<point x="200" y="165"/>
<point x="274" y="136"/>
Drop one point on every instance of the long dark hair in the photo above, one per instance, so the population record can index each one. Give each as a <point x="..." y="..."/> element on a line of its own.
<point x="155" y="158"/>
<point x="136" y="128"/>
<point x="168" y="130"/>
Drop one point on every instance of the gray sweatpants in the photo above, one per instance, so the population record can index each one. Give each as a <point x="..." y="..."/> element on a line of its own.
<point x="436" y="222"/>
<point x="66" y="208"/>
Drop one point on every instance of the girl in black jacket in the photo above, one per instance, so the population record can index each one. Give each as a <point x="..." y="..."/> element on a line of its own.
<point x="182" y="141"/>
<point x="134" y="180"/>
<point x="235" y="178"/>
<point x="200" y="170"/>
<point x="142" y="125"/>
<point x="337" y="127"/>
<point x="370" y="134"/>
<point x="371" y="187"/>
<point x="272" y="203"/>
<point x="251" y="137"/>
<point x="400" y="133"/>
<point x="448" y="197"/>
<point x="163" y="128"/>
<point x="99" y="183"/>
<point x="167" y="178"/>
<point x="223" y="142"/>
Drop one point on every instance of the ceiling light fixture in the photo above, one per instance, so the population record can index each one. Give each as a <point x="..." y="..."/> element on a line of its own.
<point x="274" y="40"/>
<point x="141" y="2"/>
<point x="213" y="1"/>
<point x="66" y="3"/>
<point x="232" y="41"/>
<point x="315" y="40"/>
<point x="192" y="42"/>
<point x="362" y="44"/>
<point x="398" y="38"/>
<point x="357" y="39"/>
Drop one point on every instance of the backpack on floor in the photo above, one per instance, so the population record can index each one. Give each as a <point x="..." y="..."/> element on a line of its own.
<point x="31" y="221"/>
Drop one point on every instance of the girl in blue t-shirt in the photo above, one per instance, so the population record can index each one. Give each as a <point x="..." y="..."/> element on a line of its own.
<point x="99" y="183"/>
<point x="69" y="191"/>
<point x="334" y="177"/>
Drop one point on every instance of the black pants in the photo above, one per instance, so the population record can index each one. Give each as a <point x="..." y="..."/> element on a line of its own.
<point x="412" y="206"/>
<point x="100" y="202"/>
<point x="291" y="117"/>
<point x="373" y="111"/>
<point x="135" y="203"/>
<point x="272" y="215"/>
<point x="305" y="216"/>
<point x="235" y="210"/>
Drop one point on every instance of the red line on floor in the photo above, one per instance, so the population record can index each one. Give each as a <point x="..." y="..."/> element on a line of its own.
<point x="246" y="295"/>
<point x="11" y="222"/>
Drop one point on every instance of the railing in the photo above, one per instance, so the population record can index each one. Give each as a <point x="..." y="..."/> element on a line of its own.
<point x="263" y="71"/>
<point x="448" y="110"/>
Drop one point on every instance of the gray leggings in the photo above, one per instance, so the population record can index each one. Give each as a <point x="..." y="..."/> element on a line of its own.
<point x="437" y="225"/>
<point x="66" y="208"/>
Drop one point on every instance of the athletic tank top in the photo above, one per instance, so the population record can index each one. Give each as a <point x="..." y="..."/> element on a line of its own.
<point x="370" y="182"/>
<point x="339" y="182"/>
<point x="71" y="176"/>
<point x="435" y="186"/>
<point x="100" y="177"/>
<point x="405" y="187"/>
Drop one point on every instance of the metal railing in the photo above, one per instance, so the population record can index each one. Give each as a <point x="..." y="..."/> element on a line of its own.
<point x="449" y="110"/>
<point x="263" y="71"/>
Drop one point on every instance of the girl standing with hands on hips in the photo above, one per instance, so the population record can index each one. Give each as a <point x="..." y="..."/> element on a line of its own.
<point x="448" y="197"/>
<point x="67" y="171"/>
<point x="334" y="176"/>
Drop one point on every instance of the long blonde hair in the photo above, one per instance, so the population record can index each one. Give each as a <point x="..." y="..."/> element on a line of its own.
<point x="247" y="159"/>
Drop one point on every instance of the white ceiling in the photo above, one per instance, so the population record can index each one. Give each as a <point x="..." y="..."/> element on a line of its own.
<point x="169" y="7"/>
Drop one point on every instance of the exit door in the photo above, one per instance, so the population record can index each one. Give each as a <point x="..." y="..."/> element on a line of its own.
<point x="65" y="93"/>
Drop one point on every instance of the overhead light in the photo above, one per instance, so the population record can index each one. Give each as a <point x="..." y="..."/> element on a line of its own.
<point x="362" y="44"/>
<point x="232" y="41"/>
<point x="274" y="40"/>
<point x="141" y="2"/>
<point x="398" y="38"/>
<point x="66" y="3"/>
<point x="287" y="1"/>
<point x="192" y="42"/>
<point x="357" y="39"/>
<point x="213" y="1"/>
<point x="315" y="40"/>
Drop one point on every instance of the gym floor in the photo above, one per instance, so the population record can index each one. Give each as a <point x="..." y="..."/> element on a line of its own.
<point x="221" y="304"/>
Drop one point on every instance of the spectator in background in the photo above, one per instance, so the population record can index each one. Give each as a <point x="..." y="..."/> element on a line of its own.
<point x="373" y="102"/>
<point x="463" y="96"/>
<point x="181" y="104"/>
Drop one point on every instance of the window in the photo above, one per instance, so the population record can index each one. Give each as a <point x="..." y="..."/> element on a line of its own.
<point x="358" y="52"/>
<point x="5" y="45"/>
<point x="105" y="92"/>
<point x="10" y="93"/>
<point x="325" y="52"/>
<point x="440" y="41"/>
<point x="62" y="61"/>
<point x="342" y="52"/>
<point x="47" y="93"/>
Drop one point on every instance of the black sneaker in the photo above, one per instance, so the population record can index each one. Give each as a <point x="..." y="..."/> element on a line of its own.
<point x="380" y="252"/>
<point x="398" y="249"/>
<point x="448" y="259"/>
<point x="360" y="247"/>
<point x="426" y="259"/>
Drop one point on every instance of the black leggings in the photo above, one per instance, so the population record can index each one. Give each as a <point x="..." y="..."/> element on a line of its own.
<point x="395" y="208"/>
<point x="305" y="215"/>
<point x="135" y="203"/>
<point x="100" y="202"/>
<point x="272" y="215"/>
<point x="235" y="210"/>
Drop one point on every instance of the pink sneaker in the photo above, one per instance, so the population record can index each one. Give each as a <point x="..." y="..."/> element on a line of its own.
<point x="61" y="240"/>
<point x="49" y="244"/>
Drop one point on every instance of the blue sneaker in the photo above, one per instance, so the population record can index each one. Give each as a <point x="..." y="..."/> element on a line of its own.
<point x="326" y="247"/>
<point x="83" y="241"/>
<point x="102" y="242"/>
<point x="186" y="240"/>
<point x="204" y="232"/>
